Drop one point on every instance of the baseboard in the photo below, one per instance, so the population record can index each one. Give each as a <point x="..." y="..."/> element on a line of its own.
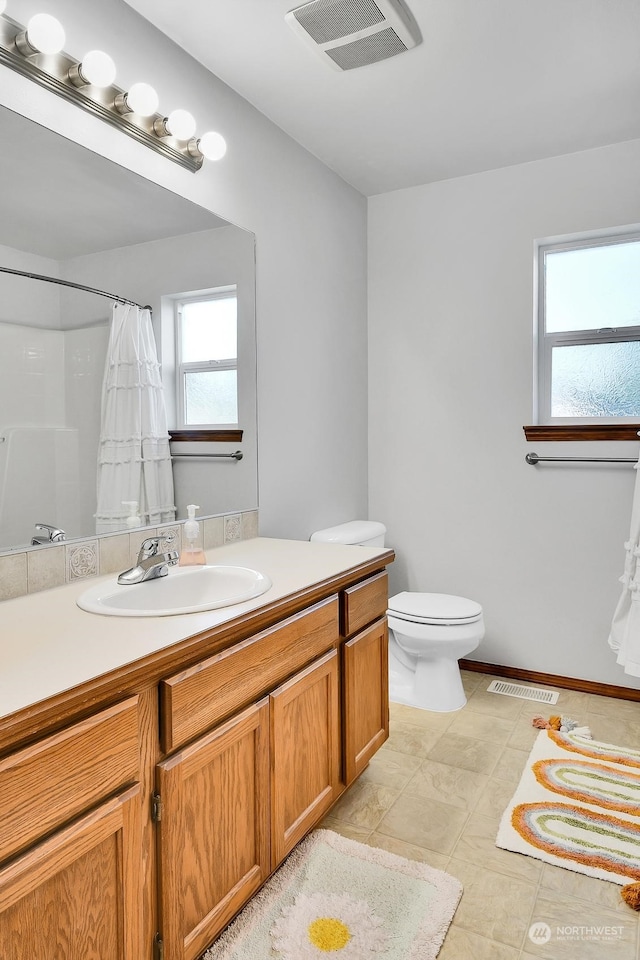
<point x="552" y="680"/>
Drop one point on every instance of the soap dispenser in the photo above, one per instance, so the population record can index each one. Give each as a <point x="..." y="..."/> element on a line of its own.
<point x="133" y="519"/>
<point x="192" y="551"/>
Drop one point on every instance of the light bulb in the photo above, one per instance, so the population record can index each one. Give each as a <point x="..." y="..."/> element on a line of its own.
<point x="212" y="145"/>
<point x="45" y="34"/>
<point x="142" y="99"/>
<point x="180" y="124"/>
<point x="98" y="69"/>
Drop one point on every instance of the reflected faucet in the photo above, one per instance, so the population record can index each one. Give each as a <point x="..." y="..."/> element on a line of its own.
<point x="151" y="563"/>
<point x="46" y="534"/>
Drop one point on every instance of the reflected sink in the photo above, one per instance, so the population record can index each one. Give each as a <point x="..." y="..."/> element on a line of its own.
<point x="184" y="590"/>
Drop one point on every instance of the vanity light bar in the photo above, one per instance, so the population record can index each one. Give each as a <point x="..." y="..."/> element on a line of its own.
<point x="61" y="74"/>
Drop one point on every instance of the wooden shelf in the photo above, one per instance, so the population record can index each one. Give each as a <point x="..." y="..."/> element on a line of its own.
<point x="590" y="431"/>
<point x="205" y="436"/>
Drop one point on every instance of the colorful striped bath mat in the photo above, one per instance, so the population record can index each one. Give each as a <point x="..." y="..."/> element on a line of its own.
<point x="578" y="806"/>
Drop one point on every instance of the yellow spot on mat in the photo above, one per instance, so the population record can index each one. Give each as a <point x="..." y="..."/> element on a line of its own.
<point x="328" y="933"/>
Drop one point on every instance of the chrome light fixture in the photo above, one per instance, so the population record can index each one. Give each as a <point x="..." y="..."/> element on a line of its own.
<point x="44" y="34"/>
<point x="35" y="51"/>
<point x="97" y="69"/>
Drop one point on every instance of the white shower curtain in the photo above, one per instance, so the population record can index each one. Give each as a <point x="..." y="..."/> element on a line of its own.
<point x="134" y="462"/>
<point x="625" y="628"/>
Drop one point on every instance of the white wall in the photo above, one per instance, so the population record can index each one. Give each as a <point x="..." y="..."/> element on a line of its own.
<point x="311" y="262"/>
<point x="450" y="294"/>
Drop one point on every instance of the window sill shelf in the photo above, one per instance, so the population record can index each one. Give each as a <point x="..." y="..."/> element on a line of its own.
<point x="206" y="436"/>
<point x="589" y="431"/>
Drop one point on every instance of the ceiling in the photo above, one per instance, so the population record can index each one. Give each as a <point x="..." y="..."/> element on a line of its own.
<point x="494" y="83"/>
<point x="60" y="200"/>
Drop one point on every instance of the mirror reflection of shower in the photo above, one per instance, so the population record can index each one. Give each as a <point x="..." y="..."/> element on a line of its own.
<point x="134" y="238"/>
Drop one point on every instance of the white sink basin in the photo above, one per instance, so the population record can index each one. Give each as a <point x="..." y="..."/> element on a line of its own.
<point x="183" y="590"/>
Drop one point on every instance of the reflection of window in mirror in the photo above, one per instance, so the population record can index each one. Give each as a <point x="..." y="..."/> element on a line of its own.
<point x="207" y="359"/>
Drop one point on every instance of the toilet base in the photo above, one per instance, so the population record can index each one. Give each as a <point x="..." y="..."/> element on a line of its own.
<point x="435" y="685"/>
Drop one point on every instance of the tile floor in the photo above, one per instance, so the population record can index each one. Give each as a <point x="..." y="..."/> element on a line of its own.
<point x="435" y="792"/>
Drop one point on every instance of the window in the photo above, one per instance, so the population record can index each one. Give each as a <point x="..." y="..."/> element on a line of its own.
<point x="589" y="331"/>
<point x="207" y="359"/>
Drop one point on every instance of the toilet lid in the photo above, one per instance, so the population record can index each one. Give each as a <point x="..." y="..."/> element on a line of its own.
<point x="434" y="608"/>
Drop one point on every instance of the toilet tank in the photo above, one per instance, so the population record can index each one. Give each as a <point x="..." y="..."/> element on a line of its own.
<point x="364" y="533"/>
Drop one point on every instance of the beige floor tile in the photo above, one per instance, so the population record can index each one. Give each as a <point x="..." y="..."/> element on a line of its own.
<point x="364" y="804"/>
<point x="435" y="793"/>
<point x="511" y="764"/>
<point x="614" y="708"/>
<point x="466" y="753"/>
<point x="441" y="781"/>
<point x="572" y="703"/>
<point x="494" y="705"/>
<point x="462" y="944"/>
<point x="350" y="830"/>
<point x="493" y="905"/>
<point x="556" y="882"/>
<point x="390" y="768"/>
<point x="412" y="739"/>
<point x="420" y="718"/>
<point x="471" y="680"/>
<point x="425" y="823"/>
<point x="611" y="730"/>
<point x="524" y="733"/>
<point x="477" y="845"/>
<point x="481" y="727"/>
<point x="582" y="931"/>
<point x="408" y="850"/>
<point x="495" y="798"/>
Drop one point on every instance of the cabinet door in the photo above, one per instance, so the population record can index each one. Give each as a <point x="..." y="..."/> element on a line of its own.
<point x="214" y="830"/>
<point x="366" y="697"/>
<point x="305" y="745"/>
<point x="77" y="895"/>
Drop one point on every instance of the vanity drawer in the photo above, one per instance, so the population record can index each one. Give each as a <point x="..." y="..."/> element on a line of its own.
<point x="197" y="698"/>
<point x="49" y="782"/>
<point x="364" y="603"/>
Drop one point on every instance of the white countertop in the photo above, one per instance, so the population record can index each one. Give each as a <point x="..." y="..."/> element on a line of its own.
<point x="48" y="645"/>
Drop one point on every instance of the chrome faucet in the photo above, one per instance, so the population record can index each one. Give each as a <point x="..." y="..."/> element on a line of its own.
<point x="151" y="563"/>
<point x="46" y="534"/>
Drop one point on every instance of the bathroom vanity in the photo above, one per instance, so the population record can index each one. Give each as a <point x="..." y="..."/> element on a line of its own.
<point x="155" y="771"/>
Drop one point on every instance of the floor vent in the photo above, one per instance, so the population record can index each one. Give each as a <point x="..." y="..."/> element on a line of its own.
<point x="525" y="693"/>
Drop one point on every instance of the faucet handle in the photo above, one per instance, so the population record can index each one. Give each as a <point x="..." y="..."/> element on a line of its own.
<point x="151" y="546"/>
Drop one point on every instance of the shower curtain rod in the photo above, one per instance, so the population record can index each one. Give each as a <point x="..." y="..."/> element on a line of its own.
<point x="76" y="286"/>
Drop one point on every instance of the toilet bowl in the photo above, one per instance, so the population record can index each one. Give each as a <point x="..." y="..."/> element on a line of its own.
<point x="428" y="632"/>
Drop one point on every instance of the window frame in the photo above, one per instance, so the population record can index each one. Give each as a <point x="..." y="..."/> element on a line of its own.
<point x="198" y="366"/>
<point x="545" y="342"/>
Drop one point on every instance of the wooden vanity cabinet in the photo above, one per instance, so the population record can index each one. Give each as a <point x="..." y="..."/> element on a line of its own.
<point x="365" y="673"/>
<point x="238" y="799"/>
<point x="305" y="753"/>
<point x="70" y="844"/>
<point x="77" y="895"/>
<point x="213" y="832"/>
<point x="140" y="813"/>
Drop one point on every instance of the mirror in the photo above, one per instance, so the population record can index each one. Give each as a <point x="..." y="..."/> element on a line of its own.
<point x="69" y="213"/>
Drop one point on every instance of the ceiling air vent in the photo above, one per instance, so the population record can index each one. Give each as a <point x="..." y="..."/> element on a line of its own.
<point x="355" y="33"/>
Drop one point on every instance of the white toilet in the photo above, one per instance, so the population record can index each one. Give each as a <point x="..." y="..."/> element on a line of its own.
<point x="428" y="632"/>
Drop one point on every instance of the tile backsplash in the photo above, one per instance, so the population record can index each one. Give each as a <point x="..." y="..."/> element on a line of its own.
<point x="39" y="568"/>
